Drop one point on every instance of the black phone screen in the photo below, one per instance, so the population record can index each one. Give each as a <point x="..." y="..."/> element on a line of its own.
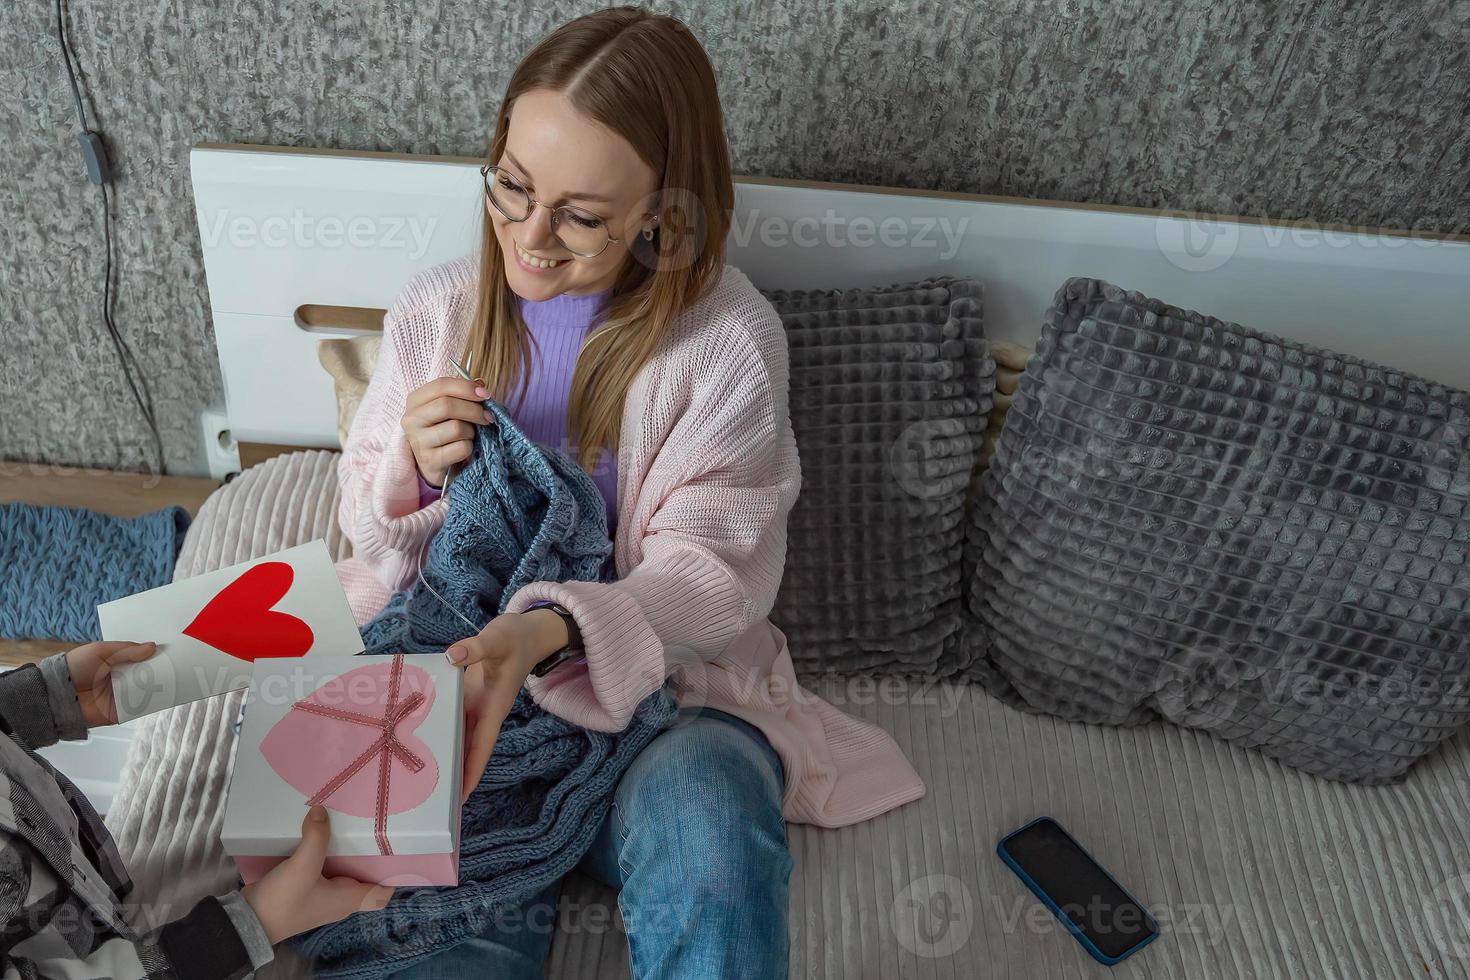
<point x="1085" y="893"/>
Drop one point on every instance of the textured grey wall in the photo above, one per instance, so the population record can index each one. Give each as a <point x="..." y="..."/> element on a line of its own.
<point x="1337" y="110"/>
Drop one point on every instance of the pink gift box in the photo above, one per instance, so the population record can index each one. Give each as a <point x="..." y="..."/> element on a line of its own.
<point x="377" y="740"/>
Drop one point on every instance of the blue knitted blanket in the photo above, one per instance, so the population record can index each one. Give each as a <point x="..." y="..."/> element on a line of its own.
<point x="518" y="512"/>
<point x="57" y="564"/>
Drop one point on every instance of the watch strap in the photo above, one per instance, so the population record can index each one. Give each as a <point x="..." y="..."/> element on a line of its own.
<point x="573" y="648"/>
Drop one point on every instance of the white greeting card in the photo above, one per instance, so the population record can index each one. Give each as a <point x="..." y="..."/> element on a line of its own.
<point x="212" y="628"/>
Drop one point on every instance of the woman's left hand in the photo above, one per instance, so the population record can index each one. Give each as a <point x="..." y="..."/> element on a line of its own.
<point x="497" y="662"/>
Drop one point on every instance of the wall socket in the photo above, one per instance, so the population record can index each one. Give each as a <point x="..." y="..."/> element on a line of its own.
<point x="221" y="454"/>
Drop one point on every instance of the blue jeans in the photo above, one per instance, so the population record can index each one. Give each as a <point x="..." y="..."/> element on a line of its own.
<point x="696" y="846"/>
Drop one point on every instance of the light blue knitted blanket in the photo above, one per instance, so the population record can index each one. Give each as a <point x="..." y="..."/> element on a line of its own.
<point x="58" y="563"/>
<point x="518" y="512"/>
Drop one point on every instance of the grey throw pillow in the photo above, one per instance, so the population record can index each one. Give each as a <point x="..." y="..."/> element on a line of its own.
<point x="1190" y="519"/>
<point x="890" y="389"/>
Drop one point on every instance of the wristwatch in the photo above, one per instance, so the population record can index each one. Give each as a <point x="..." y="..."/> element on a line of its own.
<point x="573" y="649"/>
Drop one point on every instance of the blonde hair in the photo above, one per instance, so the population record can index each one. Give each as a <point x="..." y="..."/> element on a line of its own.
<point x="645" y="77"/>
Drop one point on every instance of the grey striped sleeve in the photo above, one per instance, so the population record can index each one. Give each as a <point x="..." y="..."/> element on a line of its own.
<point x="39" y="703"/>
<point x="61" y="694"/>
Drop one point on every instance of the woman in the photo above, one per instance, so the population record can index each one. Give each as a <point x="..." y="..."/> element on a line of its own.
<point x="664" y="371"/>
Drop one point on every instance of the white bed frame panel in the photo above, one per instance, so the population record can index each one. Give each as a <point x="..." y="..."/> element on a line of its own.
<point x="286" y="227"/>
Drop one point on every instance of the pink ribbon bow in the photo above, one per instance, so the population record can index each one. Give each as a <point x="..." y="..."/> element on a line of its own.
<point x="384" y="749"/>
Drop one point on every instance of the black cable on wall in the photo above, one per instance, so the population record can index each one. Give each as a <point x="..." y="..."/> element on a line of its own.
<point x="99" y="172"/>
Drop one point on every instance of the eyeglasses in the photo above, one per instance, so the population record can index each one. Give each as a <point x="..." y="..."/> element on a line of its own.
<point x="579" y="232"/>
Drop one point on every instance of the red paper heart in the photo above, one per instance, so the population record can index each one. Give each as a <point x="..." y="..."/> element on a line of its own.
<point x="239" y="620"/>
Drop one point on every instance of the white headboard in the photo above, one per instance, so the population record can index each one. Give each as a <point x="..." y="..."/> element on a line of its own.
<point x="282" y="228"/>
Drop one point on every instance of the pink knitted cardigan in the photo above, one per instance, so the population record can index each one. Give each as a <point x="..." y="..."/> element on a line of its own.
<point x="707" y="473"/>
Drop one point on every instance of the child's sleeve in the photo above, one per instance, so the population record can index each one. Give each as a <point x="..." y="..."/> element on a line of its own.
<point x="220" y="939"/>
<point x="38" y="703"/>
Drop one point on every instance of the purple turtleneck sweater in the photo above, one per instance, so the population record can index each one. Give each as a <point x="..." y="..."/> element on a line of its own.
<point x="558" y="326"/>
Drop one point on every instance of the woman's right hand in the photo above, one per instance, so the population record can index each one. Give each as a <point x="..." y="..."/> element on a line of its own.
<point x="439" y="419"/>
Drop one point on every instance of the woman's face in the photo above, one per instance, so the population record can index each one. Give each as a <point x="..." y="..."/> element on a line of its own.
<point x="562" y="157"/>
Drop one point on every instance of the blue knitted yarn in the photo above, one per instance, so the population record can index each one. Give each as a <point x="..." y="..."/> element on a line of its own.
<point x="518" y="512"/>
<point x="58" y="563"/>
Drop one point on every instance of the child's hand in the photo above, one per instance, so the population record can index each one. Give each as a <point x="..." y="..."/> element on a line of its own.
<point x="91" y="674"/>
<point x="293" y="896"/>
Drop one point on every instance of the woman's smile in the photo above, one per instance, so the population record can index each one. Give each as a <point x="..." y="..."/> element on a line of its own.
<point x="535" y="264"/>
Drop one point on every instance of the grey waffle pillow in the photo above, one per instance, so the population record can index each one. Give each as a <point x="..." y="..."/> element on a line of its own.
<point x="1190" y="519"/>
<point x="890" y="389"/>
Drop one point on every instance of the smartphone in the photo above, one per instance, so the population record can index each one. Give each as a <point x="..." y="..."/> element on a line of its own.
<point x="1109" y="923"/>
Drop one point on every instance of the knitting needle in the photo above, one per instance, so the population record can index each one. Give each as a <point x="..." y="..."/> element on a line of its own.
<point x="464" y="373"/>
